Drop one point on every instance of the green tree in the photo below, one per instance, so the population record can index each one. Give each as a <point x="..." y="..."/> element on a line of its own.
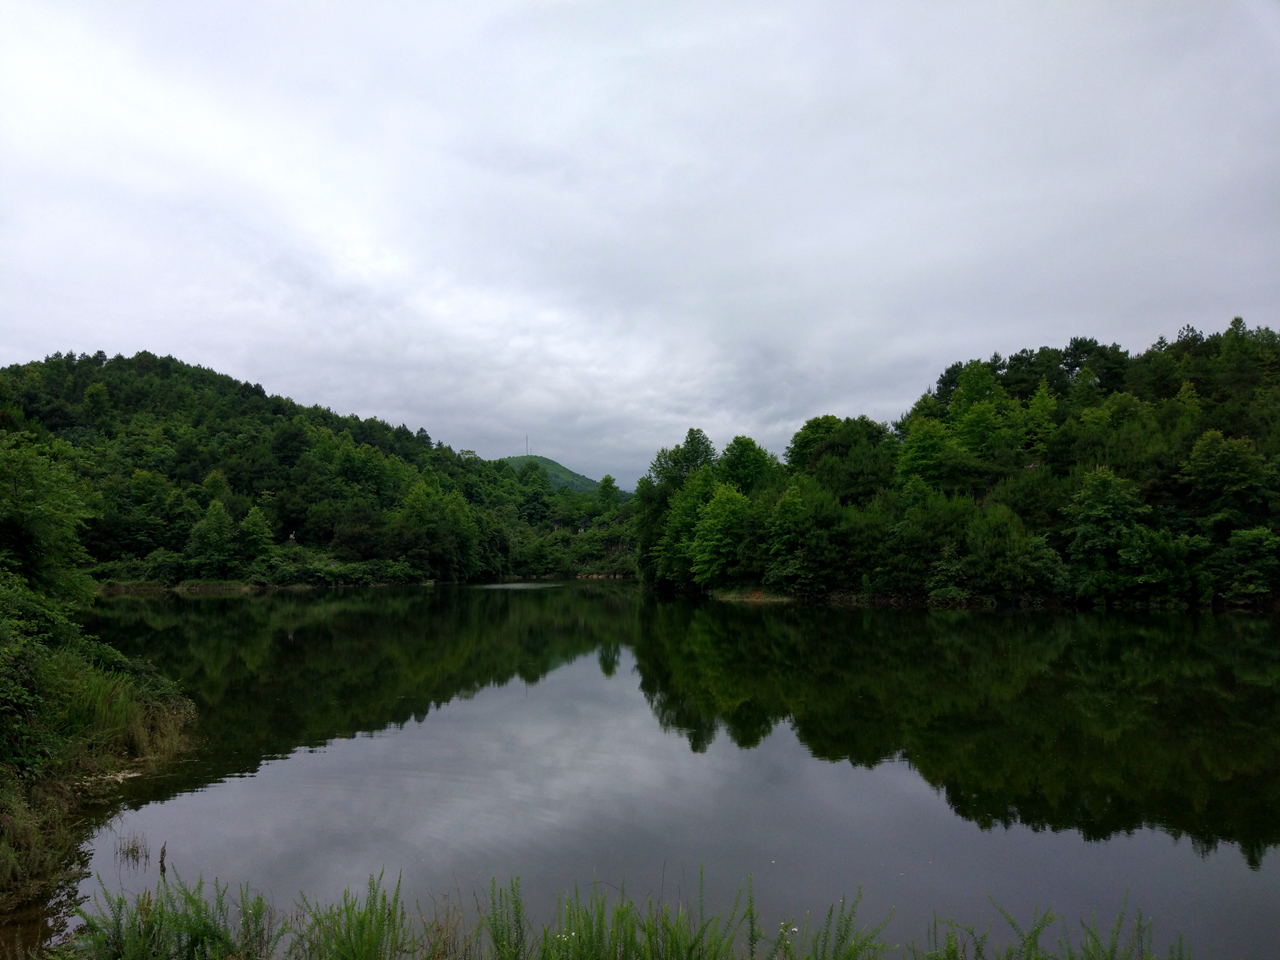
<point x="607" y="493"/>
<point x="256" y="539"/>
<point x="674" y="562"/>
<point x="413" y="530"/>
<point x="976" y="383"/>
<point x="931" y="453"/>
<point x="654" y="493"/>
<point x="212" y="549"/>
<point x="536" y="495"/>
<point x="697" y="451"/>
<point x="997" y="558"/>
<point x="43" y="508"/>
<point x="853" y="458"/>
<point x="1101" y="515"/>
<point x="718" y="536"/>
<point x="808" y="440"/>
<point x="1041" y="425"/>
<point x="746" y="464"/>
<point x="215" y="487"/>
<point x="97" y="407"/>
<point x="928" y="525"/>
<point x="1086" y="390"/>
<point x="1249" y="567"/>
<point x="464" y="534"/>
<point x="983" y="419"/>
<point x="1232" y="483"/>
<point x="808" y="550"/>
<point x="672" y="465"/>
<point x="1161" y="567"/>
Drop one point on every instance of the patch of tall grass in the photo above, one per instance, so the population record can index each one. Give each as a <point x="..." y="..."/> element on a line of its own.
<point x="99" y="715"/>
<point x="178" y="922"/>
<point x="87" y="715"/>
<point x="596" y="928"/>
<point x="375" y="928"/>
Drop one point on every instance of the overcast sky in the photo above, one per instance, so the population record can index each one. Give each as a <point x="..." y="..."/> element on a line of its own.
<point x="598" y="223"/>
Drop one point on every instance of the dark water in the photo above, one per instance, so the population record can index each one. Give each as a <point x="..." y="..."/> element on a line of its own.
<point x="584" y="731"/>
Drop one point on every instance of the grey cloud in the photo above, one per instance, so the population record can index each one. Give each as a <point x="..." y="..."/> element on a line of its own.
<point x="601" y="223"/>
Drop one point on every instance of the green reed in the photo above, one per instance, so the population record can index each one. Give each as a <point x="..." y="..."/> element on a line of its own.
<point x="375" y="928"/>
<point x="178" y="922"/>
<point x="596" y="928"/>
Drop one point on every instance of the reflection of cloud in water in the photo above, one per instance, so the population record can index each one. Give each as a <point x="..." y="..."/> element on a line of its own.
<point x="570" y="779"/>
<point x="516" y="586"/>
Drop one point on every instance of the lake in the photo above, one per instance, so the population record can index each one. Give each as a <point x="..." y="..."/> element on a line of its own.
<point x="585" y="731"/>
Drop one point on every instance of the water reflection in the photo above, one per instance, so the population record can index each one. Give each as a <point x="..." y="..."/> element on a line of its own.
<point x="1078" y="727"/>
<point x="1093" y="723"/>
<point x="1097" y="724"/>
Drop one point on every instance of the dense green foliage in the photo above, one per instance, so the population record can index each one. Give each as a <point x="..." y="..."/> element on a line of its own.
<point x="179" y="922"/>
<point x="69" y="705"/>
<point x="194" y="475"/>
<point x="1075" y="474"/>
<point x="1081" y="473"/>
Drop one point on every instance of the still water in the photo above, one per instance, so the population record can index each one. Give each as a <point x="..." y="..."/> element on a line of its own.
<point x="585" y="731"/>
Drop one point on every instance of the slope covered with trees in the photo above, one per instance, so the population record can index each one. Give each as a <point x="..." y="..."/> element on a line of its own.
<point x="1077" y="474"/>
<point x="1081" y="474"/>
<point x="195" y="475"/>
<point x="558" y="474"/>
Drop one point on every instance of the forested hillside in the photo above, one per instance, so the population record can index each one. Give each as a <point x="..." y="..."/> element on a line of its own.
<point x="1080" y="474"/>
<point x="195" y="475"/>
<point x="558" y="474"/>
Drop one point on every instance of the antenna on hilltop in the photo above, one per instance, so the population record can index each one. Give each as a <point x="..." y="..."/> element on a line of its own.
<point x="526" y="444"/>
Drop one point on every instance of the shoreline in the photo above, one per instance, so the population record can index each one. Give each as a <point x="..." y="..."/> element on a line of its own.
<point x="154" y="588"/>
<point x="752" y="595"/>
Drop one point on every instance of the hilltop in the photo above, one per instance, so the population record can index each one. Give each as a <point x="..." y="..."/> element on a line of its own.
<point x="192" y="474"/>
<point x="558" y="474"/>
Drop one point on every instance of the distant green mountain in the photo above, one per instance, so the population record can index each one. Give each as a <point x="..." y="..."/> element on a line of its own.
<point x="561" y="476"/>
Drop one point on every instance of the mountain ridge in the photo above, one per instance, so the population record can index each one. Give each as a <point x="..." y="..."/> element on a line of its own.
<point x="557" y="473"/>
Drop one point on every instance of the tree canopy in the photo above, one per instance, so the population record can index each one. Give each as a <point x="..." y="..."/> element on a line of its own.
<point x="1083" y="473"/>
<point x="194" y="475"/>
<point x="1075" y="474"/>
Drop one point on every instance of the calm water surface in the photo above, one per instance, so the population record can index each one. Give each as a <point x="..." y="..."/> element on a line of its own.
<point x="584" y="731"/>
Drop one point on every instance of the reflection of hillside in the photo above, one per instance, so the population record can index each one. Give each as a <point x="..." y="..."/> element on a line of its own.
<point x="1096" y="724"/>
<point x="1099" y="724"/>
<point x="273" y="673"/>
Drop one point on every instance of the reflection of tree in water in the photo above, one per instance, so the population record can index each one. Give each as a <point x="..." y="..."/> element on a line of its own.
<point x="1097" y="724"/>
<point x="1089" y="723"/>
<point x="272" y="673"/>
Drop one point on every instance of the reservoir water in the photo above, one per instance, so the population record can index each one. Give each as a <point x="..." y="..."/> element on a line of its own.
<point x="583" y="731"/>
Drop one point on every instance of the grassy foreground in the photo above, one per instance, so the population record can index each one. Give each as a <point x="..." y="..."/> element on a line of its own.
<point x="177" y="921"/>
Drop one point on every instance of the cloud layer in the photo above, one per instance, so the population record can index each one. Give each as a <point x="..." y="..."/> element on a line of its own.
<point x="598" y="224"/>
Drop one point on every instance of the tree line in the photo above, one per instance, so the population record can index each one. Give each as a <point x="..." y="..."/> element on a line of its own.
<point x="1082" y="474"/>
<point x="193" y="475"/>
